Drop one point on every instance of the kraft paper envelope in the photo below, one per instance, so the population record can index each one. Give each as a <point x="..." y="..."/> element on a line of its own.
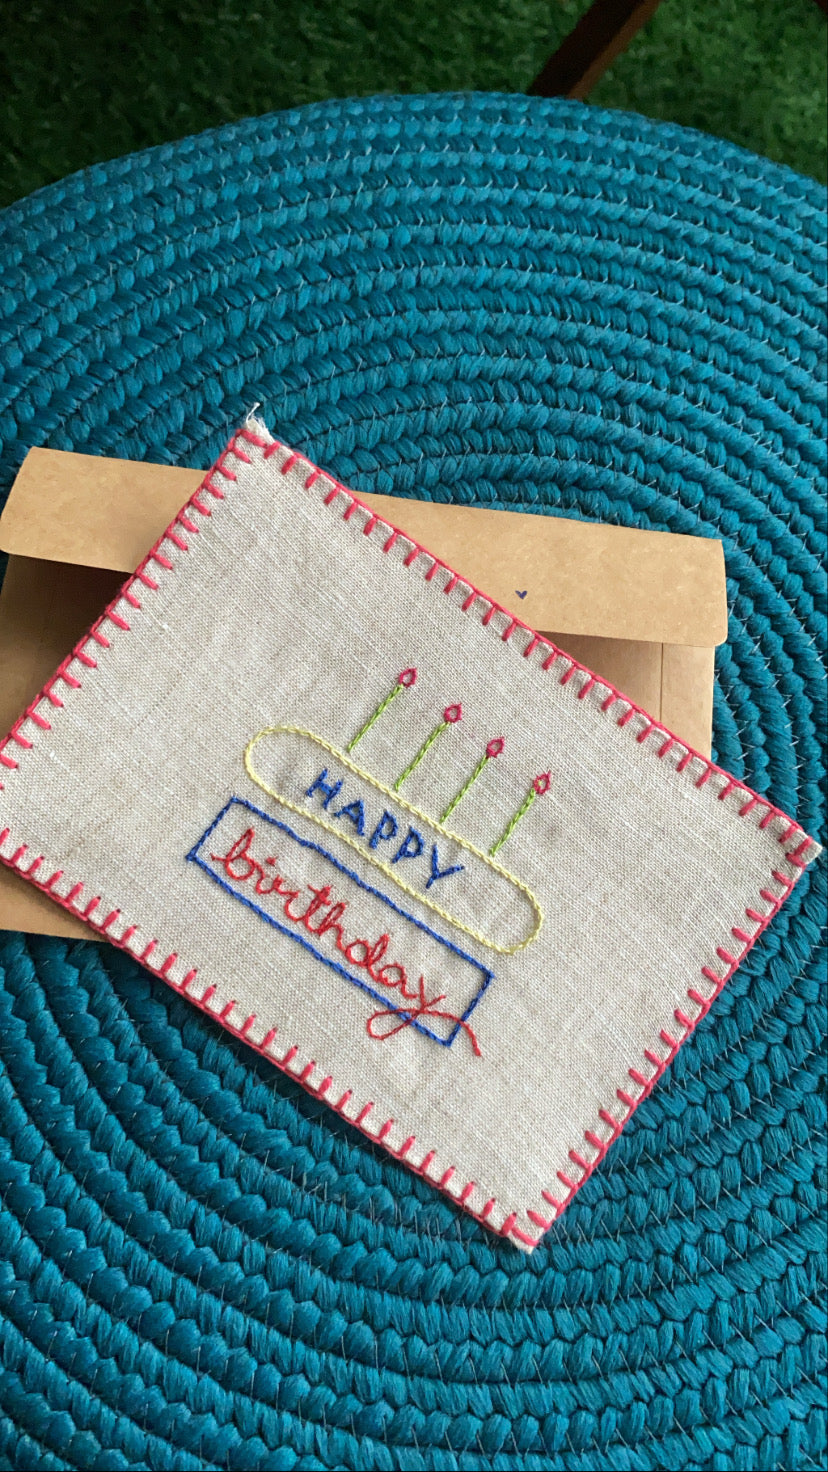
<point x="644" y="610"/>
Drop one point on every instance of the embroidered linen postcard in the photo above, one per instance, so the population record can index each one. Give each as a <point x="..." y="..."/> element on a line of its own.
<point x="437" y="871"/>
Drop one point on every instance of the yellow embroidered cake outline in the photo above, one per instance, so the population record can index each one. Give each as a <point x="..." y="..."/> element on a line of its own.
<point x="378" y="863"/>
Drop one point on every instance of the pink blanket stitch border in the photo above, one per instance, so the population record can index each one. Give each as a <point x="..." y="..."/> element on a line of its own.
<point x="643" y="1082"/>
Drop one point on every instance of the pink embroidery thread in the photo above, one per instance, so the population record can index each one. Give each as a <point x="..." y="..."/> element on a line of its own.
<point x="509" y="1227"/>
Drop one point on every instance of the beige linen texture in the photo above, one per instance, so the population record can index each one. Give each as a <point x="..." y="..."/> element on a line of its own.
<point x="284" y="608"/>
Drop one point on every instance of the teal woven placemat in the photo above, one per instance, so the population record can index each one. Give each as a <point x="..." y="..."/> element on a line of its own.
<point x="478" y="299"/>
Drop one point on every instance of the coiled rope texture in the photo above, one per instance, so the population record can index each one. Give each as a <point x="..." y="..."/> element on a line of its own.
<point x="477" y="299"/>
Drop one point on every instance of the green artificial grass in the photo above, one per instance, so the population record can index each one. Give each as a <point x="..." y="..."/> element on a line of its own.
<point x="754" y="71"/>
<point x="91" y="80"/>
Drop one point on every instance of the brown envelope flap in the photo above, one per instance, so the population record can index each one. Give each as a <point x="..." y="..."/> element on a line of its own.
<point x="584" y="577"/>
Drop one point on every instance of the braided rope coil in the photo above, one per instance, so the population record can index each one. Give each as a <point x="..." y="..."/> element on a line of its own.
<point x="524" y="304"/>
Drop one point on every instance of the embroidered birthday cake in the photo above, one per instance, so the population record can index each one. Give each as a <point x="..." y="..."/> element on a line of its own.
<point x="413" y="851"/>
<point x="389" y="836"/>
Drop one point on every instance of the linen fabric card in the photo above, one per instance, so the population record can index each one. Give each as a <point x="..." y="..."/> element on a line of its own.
<point x="430" y="866"/>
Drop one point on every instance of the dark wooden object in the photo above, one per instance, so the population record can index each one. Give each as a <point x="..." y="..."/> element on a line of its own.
<point x="602" y="33"/>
